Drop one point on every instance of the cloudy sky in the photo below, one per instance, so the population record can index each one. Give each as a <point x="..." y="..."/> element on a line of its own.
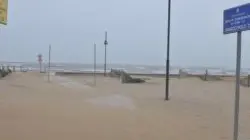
<point x="136" y="32"/>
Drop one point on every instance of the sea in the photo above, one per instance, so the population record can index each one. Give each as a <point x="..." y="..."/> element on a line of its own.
<point x="141" y="69"/>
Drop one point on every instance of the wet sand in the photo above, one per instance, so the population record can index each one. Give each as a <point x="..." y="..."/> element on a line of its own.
<point x="71" y="107"/>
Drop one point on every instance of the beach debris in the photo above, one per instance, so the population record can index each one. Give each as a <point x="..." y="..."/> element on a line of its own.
<point x="245" y="82"/>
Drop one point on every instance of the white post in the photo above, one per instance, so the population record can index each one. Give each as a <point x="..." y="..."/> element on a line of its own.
<point x="49" y="64"/>
<point x="94" y="64"/>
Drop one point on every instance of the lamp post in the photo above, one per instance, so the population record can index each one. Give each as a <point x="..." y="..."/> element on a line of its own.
<point x="168" y="52"/>
<point x="105" y="55"/>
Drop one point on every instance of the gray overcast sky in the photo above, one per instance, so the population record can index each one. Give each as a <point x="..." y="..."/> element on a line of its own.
<point x="136" y="32"/>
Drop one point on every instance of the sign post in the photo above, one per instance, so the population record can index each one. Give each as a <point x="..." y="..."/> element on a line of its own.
<point x="237" y="19"/>
<point x="3" y="11"/>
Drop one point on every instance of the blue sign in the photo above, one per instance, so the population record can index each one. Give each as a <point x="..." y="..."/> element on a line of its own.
<point x="236" y="19"/>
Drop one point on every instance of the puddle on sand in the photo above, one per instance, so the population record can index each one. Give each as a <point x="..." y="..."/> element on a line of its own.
<point x="116" y="101"/>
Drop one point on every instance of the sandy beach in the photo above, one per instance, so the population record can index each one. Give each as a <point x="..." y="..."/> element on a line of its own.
<point x="71" y="107"/>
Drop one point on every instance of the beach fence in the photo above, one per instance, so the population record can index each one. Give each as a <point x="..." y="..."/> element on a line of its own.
<point x="15" y="68"/>
<point x="183" y="73"/>
<point x="7" y="67"/>
<point x="205" y="76"/>
<point x="209" y="77"/>
<point x="245" y="82"/>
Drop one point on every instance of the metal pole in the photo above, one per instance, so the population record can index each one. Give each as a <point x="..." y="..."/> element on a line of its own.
<point x="105" y="59"/>
<point x="168" y="53"/>
<point x="105" y="55"/>
<point x="237" y="89"/>
<point x="49" y="64"/>
<point x="95" y="64"/>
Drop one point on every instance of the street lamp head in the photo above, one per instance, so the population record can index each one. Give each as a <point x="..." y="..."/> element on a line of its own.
<point x="105" y="42"/>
